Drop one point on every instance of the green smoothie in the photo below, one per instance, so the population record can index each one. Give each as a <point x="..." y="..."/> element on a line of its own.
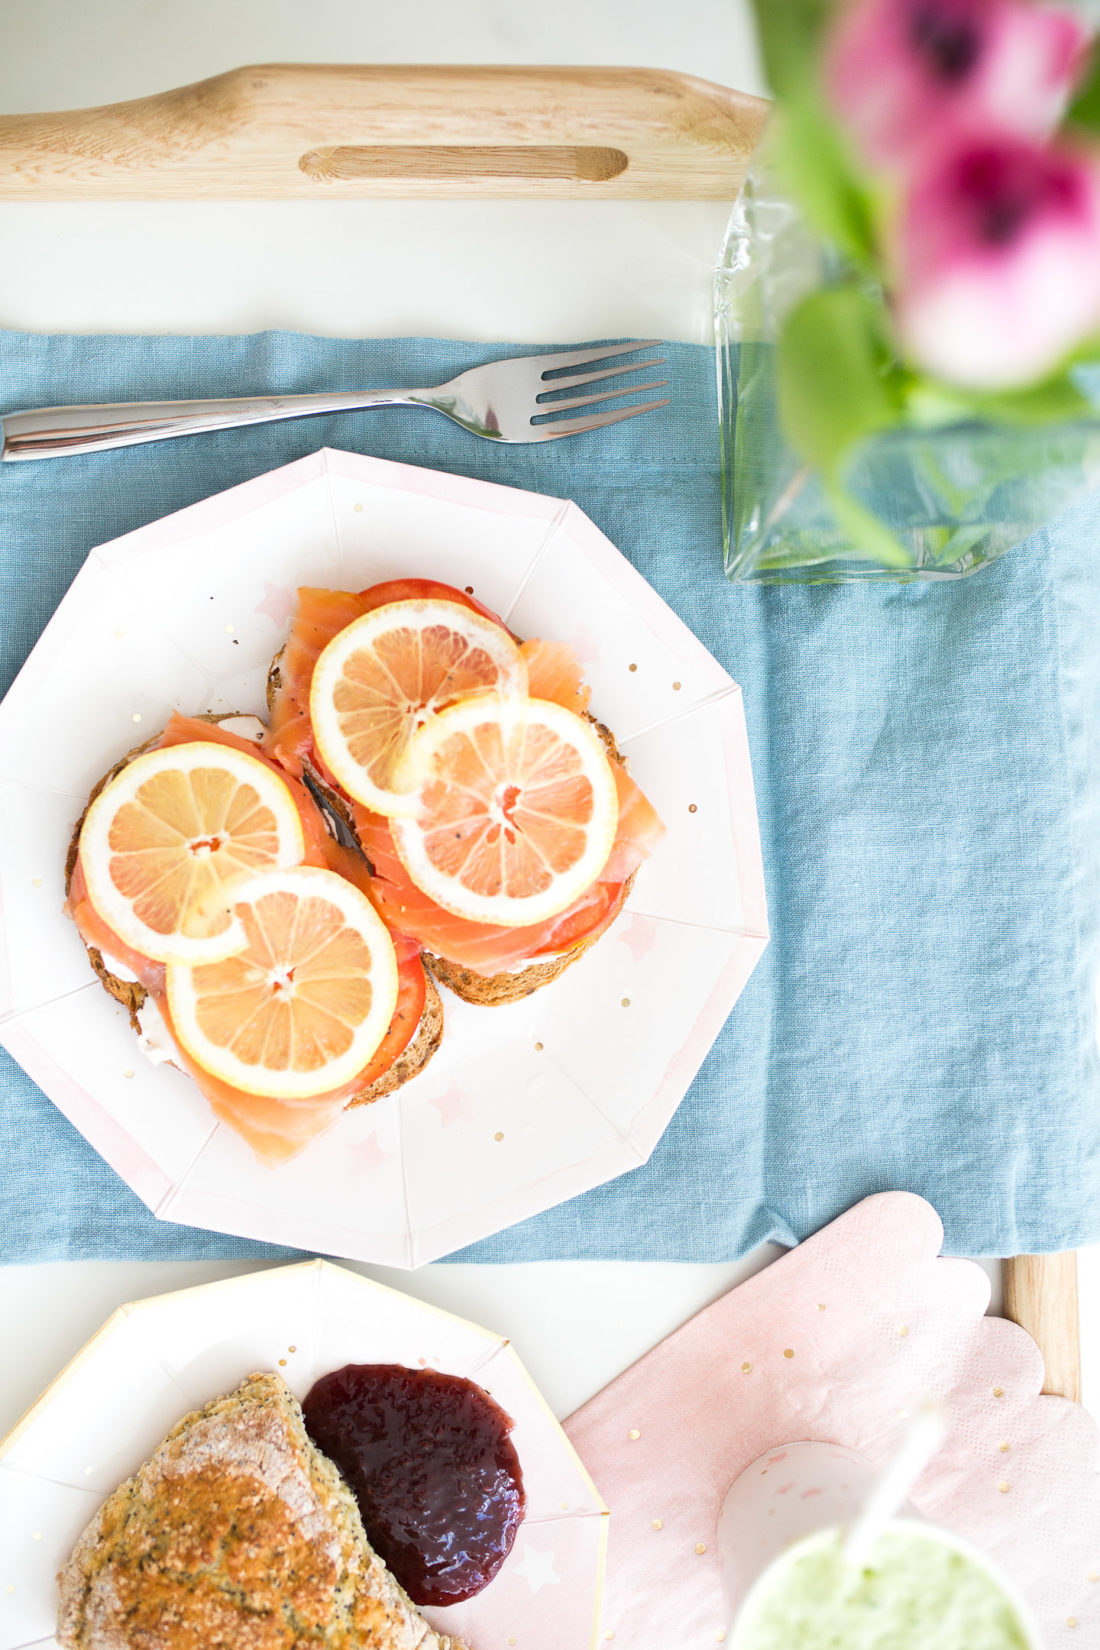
<point x="914" y="1593"/>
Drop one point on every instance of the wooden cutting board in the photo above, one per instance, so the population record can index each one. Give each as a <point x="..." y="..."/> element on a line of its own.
<point x="298" y="131"/>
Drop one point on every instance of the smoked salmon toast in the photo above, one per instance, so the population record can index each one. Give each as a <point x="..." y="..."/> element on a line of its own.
<point x="412" y="708"/>
<point x="368" y="1013"/>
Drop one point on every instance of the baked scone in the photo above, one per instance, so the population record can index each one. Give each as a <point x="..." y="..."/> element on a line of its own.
<point x="236" y="1534"/>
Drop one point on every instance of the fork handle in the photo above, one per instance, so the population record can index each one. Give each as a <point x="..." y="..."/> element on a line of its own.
<point x="55" y="432"/>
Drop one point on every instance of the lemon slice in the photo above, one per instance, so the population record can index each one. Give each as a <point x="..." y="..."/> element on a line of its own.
<point x="388" y="673"/>
<point x="300" y="1010"/>
<point x="168" y="836"/>
<point x="513" y="810"/>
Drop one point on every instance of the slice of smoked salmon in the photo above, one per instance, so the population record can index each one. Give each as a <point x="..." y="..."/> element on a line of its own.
<point x="640" y="829"/>
<point x="319" y="616"/>
<point x="553" y="673"/>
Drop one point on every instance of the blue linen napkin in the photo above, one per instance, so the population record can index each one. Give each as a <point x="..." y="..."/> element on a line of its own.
<point x="927" y="763"/>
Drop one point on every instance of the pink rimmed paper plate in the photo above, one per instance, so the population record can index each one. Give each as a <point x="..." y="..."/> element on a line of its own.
<point x="836" y="1343"/>
<point x="157" y="1359"/>
<point x="524" y="1105"/>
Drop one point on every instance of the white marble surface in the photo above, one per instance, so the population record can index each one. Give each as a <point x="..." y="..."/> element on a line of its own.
<point x="505" y="271"/>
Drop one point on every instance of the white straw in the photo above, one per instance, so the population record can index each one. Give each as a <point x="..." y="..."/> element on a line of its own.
<point x="922" y="1438"/>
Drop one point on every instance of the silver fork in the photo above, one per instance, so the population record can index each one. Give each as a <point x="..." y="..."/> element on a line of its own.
<point x="499" y="401"/>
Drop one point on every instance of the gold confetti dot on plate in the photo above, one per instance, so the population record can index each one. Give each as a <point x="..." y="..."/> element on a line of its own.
<point x="511" y="1640"/>
<point x="634" y="1433"/>
<point x="36" y="882"/>
<point x="1004" y="1487"/>
<point x="998" y="1392"/>
<point x="631" y="667"/>
<point x="292" y="1349"/>
<point x="903" y="1330"/>
<point x="700" y="1546"/>
<point x="1003" y="1447"/>
<point x="675" y="687"/>
<point x="1071" y="1621"/>
<point x="625" y="1002"/>
<point x="610" y="1634"/>
<point x="692" y="809"/>
<point x="127" y="1074"/>
<point x="788" y="1351"/>
<point x="658" y="1523"/>
<point x="136" y="717"/>
<point x="282" y="1363"/>
<point x="746" y="1369"/>
<point x="498" y="1135"/>
<point x="1094" y="1575"/>
<point x="821" y="1307"/>
<point x="358" y="508"/>
<point x="720" y="1637"/>
<point x="538" y="1048"/>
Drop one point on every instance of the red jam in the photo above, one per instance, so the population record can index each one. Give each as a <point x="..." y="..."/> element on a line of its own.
<point x="430" y="1462"/>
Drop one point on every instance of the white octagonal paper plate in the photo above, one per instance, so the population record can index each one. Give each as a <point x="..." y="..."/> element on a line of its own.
<point x="524" y="1105"/>
<point x="157" y="1359"/>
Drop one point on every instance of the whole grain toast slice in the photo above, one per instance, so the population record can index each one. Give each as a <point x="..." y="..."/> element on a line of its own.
<point x="486" y="990"/>
<point x="236" y="1534"/>
<point x="133" y="995"/>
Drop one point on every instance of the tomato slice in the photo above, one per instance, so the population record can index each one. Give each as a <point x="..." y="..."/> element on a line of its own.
<point x="412" y="988"/>
<point x="411" y="590"/>
<point x="591" y="914"/>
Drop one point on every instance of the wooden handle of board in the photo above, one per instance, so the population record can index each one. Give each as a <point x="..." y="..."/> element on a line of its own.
<point x="1040" y="1294"/>
<point x="331" y="132"/>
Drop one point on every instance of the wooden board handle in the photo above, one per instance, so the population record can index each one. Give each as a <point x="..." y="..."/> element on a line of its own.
<point x="1040" y="1294"/>
<point x="290" y="131"/>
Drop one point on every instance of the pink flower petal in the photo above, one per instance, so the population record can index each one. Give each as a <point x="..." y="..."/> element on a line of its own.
<point x="908" y="77"/>
<point x="998" y="262"/>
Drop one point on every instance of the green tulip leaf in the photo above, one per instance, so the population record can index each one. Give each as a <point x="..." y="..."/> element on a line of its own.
<point x="835" y="375"/>
<point x="811" y="156"/>
<point x="1085" y="108"/>
<point x="838" y="386"/>
<point x="790" y="34"/>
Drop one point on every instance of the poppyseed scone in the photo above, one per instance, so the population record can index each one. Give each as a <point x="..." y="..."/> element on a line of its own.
<point x="236" y="1534"/>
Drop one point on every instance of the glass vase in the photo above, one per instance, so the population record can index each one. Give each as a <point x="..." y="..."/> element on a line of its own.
<point x="954" y="497"/>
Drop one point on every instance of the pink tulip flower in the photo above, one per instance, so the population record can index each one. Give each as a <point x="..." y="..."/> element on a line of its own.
<point x="907" y="76"/>
<point x="997" y="265"/>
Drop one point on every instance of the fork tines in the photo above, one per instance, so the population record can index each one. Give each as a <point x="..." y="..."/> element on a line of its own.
<point x="556" y="401"/>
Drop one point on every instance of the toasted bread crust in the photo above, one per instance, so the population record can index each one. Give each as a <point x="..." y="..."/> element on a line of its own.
<point x="132" y="994"/>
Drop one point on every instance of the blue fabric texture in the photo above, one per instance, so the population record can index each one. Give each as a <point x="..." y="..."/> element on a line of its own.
<point x="927" y="763"/>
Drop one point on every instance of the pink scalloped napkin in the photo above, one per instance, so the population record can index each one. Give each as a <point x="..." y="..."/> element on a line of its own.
<point x="835" y="1342"/>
